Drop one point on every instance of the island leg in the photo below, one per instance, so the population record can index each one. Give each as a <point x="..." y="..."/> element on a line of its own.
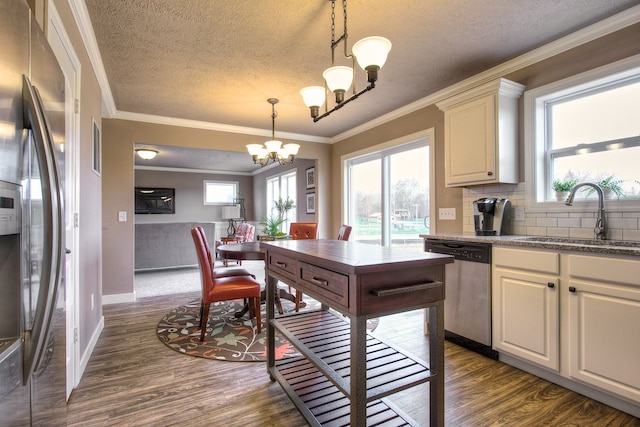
<point x="358" y="380"/>
<point x="436" y="364"/>
<point x="271" y="332"/>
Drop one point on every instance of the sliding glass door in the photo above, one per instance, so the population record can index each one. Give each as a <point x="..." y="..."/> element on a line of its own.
<point x="388" y="196"/>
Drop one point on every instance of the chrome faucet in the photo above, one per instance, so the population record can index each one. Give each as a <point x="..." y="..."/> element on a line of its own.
<point x="601" y="223"/>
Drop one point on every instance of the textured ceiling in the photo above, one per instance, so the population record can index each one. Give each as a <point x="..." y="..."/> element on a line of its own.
<point x="218" y="62"/>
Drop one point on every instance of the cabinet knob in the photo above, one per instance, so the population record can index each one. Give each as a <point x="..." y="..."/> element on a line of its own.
<point x="572" y="289"/>
<point x="490" y="173"/>
<point x="551" y="285"/>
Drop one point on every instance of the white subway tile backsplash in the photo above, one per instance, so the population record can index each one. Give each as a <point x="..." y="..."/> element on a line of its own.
<point x="624" y="223"/>
<point x="631" y="235"/>
<point x="569" y="222"/>
<point x="621" y="225"/>
<point x="547" y="222"/>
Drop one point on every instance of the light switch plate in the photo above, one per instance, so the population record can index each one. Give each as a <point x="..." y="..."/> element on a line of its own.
<point x="447" y="214"/>
<point x="122" y="216"/>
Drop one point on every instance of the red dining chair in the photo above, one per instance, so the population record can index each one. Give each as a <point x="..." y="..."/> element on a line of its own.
<point x="227" y="272"/>
<point x="216" y="289"/>
<point x="302" y="231"/>
<point x="345" y="232"/>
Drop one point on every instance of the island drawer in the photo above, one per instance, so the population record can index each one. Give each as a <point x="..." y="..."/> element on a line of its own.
<point x="327" y="283"/>
<point x="282" y="265"/>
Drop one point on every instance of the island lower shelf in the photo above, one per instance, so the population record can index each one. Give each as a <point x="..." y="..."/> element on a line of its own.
<point x="319" y="381"/>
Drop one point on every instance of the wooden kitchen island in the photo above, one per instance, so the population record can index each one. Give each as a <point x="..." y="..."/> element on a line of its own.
<point x="344" y="374"/>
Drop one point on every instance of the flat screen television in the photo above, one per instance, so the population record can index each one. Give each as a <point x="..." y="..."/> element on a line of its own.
<point x="155" y="200"/>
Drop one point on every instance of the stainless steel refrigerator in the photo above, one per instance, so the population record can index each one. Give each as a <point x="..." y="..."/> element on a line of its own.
<point x="32" y="300"/>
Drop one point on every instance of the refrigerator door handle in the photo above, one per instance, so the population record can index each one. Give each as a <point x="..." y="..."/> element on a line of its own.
<point x="35" y="119"/>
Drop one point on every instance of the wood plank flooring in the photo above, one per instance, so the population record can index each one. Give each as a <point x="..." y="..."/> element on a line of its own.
<point x="133" y="379"/>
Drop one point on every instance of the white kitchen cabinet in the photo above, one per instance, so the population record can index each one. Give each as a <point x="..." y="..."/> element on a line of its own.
<point x="481" y="134"/>
<point x="572" y="318"/>
<point x="525" y="287"/>
<point x="604" y="323"/>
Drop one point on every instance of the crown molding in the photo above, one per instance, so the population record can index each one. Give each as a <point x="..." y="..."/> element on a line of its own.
<point x="592" y="32"/>
<point x="81" y="16"/>
<point x="196" y="124"/>
<point x="207" y="171"/>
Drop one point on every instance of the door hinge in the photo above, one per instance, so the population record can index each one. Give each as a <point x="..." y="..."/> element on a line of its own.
<point x="76" y="106"/>
<point x="76" y="220"/>
<point x="75" y="334"/>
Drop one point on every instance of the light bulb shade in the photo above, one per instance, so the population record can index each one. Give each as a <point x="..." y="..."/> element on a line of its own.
<point x="263" y="154"/>
<point x="254" y="149"/>
<point x="273" y="145"/>
<point x="338" y="78"/>
<point x="371" y="51"/>
<point x="313" y="96"/>
<point x="291" y="149"/>
<point x="146" y="153"/>
<point x="231" y="212"/>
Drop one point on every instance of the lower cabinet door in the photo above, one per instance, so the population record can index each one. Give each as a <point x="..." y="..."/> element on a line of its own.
<point x="604" y="333"/>
<point x="525" y="316"/>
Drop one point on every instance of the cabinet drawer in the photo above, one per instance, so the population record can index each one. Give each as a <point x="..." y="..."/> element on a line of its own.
<point x="332" y="285"/>
<point x="282" y="265"/>
<point x="540" y="261"/>
<point x="605" y="269"/>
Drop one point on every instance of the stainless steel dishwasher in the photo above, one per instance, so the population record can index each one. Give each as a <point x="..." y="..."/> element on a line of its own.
<point x="467" y="304"/>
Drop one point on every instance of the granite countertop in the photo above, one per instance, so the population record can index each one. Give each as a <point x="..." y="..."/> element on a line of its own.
<point x="611" y="247"/>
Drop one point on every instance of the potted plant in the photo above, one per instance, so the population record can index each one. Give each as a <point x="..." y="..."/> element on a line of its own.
<point x="272" y="226"/>
<point x="283" y="206"/>
<point x="273" y="223"/>
<point x="562" y="187"/>
<point x="610" y="186"/>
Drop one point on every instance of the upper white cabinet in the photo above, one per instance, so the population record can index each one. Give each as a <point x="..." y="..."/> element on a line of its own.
<point x="481" y="134"/>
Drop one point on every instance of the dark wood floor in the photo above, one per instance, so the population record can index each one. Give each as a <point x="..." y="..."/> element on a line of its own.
<point x="133" y="379"/>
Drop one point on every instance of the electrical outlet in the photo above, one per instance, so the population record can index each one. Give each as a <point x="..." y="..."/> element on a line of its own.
<point x="122" y="216"/>
<point x="447" y="214"/>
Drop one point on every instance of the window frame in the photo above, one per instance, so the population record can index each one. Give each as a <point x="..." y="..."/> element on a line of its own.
<point x="292" y="214"/>
<point x="234" y="184"/>
<point x="538" y="158"/>
<point x="380" y="151"/>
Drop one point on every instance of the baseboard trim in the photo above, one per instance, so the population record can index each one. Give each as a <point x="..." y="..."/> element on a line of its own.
<point x="118" y="298"/>
<point x="84" y="360"/>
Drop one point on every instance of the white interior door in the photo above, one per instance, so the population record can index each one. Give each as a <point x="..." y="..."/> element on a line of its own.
<point x="70" y="65"/>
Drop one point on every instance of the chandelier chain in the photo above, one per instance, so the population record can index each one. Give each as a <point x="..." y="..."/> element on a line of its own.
<point x="371" y="54"/>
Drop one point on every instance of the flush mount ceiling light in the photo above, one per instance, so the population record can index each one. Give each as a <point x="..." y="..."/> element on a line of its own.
<point x="273" y="151"/>
<point x="371" y="53"/>
<point x="146" y="153"/>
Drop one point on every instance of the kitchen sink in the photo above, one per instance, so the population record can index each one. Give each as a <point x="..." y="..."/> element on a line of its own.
<point x="588" y="242"/>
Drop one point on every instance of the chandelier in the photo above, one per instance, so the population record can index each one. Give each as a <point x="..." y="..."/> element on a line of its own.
<point x="371" y="53"/>
<point x="273" y="151"/>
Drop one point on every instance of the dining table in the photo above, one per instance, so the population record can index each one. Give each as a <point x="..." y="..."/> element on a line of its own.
<point x="253" y="251"/>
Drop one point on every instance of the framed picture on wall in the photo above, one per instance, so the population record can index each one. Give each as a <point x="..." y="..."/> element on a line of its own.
<point x="96" y="148"/>
<point x="311" y="203"/>
<point x="310" y="175"/>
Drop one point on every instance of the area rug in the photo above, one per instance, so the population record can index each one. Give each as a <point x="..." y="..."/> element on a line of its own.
<point x="227" y="338"/>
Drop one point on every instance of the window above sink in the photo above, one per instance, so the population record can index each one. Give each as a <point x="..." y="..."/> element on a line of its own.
<point x="585" y="128"/>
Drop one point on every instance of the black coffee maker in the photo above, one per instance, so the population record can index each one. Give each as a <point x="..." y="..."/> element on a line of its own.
<point x="488" y="214"/>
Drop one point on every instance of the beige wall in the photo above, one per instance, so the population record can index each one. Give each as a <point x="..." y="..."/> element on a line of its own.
<point x="425" y="118"/>
<point x="119" y="137"/>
